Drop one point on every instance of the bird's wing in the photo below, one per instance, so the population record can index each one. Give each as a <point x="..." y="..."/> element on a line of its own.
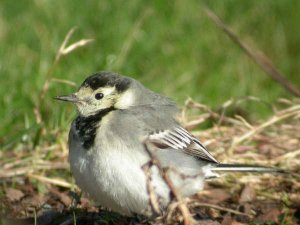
<point x="180" y="139"/>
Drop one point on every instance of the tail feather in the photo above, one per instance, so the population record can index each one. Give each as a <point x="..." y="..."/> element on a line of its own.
<point x="245" y="168"/>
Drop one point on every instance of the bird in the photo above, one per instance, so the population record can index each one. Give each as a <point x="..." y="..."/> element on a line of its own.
<point x="116" y="116"/>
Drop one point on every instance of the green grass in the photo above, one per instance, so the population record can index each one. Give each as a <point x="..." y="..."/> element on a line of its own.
<point x="176" y="50"/>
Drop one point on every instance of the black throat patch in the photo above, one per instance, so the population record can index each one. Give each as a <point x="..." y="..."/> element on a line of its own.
<point x="86" y="127"/>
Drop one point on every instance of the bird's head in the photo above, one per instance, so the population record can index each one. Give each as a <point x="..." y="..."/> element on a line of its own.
<point x="102" y="91"/>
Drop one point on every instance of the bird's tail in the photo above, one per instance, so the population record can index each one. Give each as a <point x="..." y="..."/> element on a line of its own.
<point x="245" y="168"/>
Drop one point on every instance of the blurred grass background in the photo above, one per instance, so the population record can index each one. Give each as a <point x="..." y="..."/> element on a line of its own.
<point x="176" y="50"/>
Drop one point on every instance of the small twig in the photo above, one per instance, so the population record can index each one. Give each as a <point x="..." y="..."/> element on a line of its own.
<point x="221" y="118"/>
<point x="290" y="155"/>
<point x="244" y="121"/>
<point x="74" y="218"/>
<point x="68" y="82"/>
<point x="153" y="199"/>
<point x="57" y="182"/>
<point x="65" y="50"/>
<point x="187" y="218"/>
<point x="35" y="216"/>
<point x="292" y="111"/>
<point x="193" y="123"/>
<point x="38" y="115"/>
<point x="62" y="51"/>
<point x="171" y="210"/>
<point x="31" y="169"/>
<point x="260" y="59"/>
<point x="16" y="162"/>
<point x="207" y="205"/>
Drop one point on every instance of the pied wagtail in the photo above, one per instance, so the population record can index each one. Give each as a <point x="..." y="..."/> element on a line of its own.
<point x="116" y="114"/>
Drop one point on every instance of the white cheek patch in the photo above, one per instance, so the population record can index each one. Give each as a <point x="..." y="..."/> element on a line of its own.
<point x="125" y="100"/>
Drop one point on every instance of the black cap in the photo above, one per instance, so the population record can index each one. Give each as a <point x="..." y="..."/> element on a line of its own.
<point x="103" y="79"/>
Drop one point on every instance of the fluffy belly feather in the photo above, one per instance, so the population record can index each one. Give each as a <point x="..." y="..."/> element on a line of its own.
<point x="113" y="176"/>
<point x="112" y="179"/>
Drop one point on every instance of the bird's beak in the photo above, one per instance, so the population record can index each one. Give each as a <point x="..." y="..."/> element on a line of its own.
<point x="67" y="98"/>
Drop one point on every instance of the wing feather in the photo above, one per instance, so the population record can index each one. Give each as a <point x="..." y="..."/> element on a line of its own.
<point x="180" y="139"/>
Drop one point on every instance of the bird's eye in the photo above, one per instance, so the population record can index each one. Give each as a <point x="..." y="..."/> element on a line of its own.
<point x="99" y="96"/>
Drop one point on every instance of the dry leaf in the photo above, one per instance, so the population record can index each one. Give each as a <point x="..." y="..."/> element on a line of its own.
<point x="14" y="194"/>
<point x="36" y="200"/>
<point x="248" y="194"/>
<point x="62" y="196"/>
<point x="271" y="215"/>
<point x="215" y="195"/>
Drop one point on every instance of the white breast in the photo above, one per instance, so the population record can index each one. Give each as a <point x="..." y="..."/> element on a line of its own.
<point x="111" y="176"/>
<point x="111" y="173"/>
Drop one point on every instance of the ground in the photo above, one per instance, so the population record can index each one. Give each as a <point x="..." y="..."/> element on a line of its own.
<point x="38" y="187"/>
